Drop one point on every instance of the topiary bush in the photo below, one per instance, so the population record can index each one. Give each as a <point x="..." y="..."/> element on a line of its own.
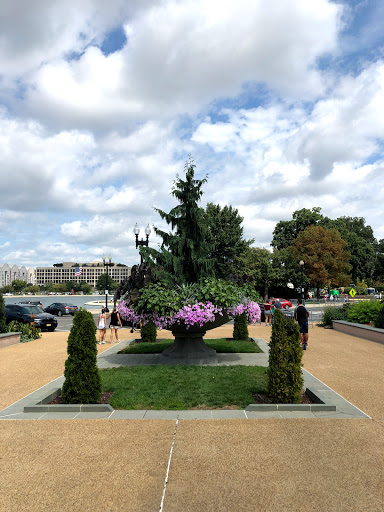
<point x="148" y="332"/>
<point x="285" y="380"/>
<point x="82" y="380"/>
<point x="3" y="325"/>
<point x="380" y="318"/>
<point x="240" y="327"/>
<point x="364" y="312"/>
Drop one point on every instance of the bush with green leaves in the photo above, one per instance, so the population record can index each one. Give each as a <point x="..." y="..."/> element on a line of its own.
<point x="240" y="327"/>
<point x="148" y="332"/>
<point x="27" y="333"/>
<point x="3" y="326"/>
<point x="285" y="380"/>
<point x="380" y="318"/>
<point x="82" y="380"/>
<point x="333" y="313"/>
<point x="364" y="312"/>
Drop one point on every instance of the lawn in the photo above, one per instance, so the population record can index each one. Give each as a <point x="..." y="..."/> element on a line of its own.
<point x="183" y="387"/>
<point x="220" y="345"/>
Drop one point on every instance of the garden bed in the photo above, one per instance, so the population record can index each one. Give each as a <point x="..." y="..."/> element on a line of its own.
<point x="359" y="330"/>
<point x="221" y="345"/>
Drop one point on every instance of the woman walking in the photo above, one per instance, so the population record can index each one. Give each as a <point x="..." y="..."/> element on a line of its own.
<point x="102" y="326"/>
<point x="114" y="324"/>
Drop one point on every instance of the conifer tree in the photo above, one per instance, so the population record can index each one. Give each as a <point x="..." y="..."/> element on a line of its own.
<point x="82" y="380"/>
<point x="184" y="253"/>
<point x="285" y="379"/>
<point x="240" y="327"/>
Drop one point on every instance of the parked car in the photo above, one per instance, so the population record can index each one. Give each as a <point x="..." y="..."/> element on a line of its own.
<point x="286" y="304"/>
<point x="61" y="308"/>
<point x="23" y="313"/>
<point x="33" y="302"/>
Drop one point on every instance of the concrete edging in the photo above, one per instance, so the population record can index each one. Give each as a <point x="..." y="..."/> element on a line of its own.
<point x="359" y="330"/>
<point x="9" y="338"/>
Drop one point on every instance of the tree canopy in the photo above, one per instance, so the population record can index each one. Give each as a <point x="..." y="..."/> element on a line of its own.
<point x="224" y="237"/>
<point x="325" y="256"/>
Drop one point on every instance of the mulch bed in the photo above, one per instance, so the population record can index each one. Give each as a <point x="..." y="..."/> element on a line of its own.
<point x="104" y="398"/>
<point x="260" y="398"/>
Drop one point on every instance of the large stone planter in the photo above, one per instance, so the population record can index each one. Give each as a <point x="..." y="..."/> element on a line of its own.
<point x="189" y="343"/>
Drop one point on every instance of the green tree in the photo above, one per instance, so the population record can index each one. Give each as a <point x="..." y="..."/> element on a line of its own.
<point x="34" y="288"/>
<point x="285" y="380"/>
<point x="3" y="326"/>
<point x="286" y="231"/>
<point x="101" y="282"/>
<point x="7" y="289"/>
<point x="18" y="285"/>
<point x="86" y="289"/>
<point x="82" y="379"/>
<point x="184" y="253"/>
<point x="240" y="327"/>
<point x="325" y="256"/>
<point x="59" y="287"/>
<point x="225" y="237"/>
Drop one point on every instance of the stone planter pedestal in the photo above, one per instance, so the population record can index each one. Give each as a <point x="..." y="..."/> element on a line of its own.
<point x="189" y="343"/>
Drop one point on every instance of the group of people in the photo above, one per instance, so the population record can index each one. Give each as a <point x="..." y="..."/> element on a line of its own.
<point x="301" y="316"/>
<point x="114" y="325"/>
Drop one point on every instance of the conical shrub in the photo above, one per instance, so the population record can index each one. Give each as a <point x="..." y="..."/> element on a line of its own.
<point x="82" y="380"/>
<point x="148" y="332"/>
<point x="240" y="327"/>
<point x="285" y="380"/>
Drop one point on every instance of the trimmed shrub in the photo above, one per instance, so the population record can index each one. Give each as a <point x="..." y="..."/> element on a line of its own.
<point x="380" y="318"/>
<point x="365" y="312"/>
<point x="148" y="332"/>
<point x="82" y="380"/>
<point x="285" y="380"/>
<point x="3" y="325"/>
<point x="240" y="327"/>
<point x="333" y="313"/>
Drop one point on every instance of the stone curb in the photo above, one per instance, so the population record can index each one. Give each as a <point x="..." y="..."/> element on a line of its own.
<point x="43" y="405"/>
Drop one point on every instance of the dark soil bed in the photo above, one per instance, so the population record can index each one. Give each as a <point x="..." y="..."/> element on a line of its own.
<point x="260" y="398"/>
<point x="104" y="398"/>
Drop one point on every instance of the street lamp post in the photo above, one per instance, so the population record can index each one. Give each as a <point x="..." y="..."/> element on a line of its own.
<point x="106" y="265"/>
<point x="302" y="279"/>
<point x="142" y="242"/>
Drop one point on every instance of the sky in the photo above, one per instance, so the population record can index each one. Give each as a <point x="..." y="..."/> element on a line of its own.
<point x="279" y="102"/>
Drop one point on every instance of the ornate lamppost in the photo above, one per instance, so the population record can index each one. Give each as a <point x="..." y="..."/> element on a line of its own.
<point x="106" y="265"/>
<point x="136" y="231"/>
<point x="301" y="263"/>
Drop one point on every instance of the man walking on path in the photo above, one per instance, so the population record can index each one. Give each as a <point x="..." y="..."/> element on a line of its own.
<point x="301" y="316"/>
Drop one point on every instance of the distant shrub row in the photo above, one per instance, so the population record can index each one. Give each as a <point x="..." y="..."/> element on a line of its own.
<point x="365" y="312"/>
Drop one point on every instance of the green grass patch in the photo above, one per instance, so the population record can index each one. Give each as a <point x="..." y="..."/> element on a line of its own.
<point x="183" y="387"/>
<point x="221" y="345"/>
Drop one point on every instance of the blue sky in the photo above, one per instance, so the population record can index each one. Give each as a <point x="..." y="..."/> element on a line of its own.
<point x="280" y="103"/>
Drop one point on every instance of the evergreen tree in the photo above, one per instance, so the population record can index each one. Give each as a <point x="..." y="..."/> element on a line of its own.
<point x="285" y="379"/>
<point x="3" y="326"/>
<point x="240" y="327"/>
<point x="184" y="253"/>
<point x="82" y="380"/>
<point x="148" y="332"/>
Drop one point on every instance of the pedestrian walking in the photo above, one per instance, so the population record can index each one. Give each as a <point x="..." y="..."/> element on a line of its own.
<point x="267" y="313"/>
<point x="114" y="324"/>
<point x="301" y="316"/>
<point x="102" y="326"/>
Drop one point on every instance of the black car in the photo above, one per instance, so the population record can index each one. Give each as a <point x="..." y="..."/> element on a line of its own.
<point x="61" y="308"/>
<point x="23" y="313"/>
<point x="33" y="302"/>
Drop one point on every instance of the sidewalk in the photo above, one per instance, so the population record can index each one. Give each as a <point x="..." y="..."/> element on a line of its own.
<point x="252" y="465"/>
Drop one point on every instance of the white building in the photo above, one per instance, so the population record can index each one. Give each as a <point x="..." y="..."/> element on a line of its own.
<point x="10" y="273"/>
<point x="90" y="273"/>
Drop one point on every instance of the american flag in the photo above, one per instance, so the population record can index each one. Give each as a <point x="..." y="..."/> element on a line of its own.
<point x="78" y="271"/>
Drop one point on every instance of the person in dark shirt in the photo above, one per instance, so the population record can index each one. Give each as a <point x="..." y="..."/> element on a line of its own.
<point x="301" y="316"/>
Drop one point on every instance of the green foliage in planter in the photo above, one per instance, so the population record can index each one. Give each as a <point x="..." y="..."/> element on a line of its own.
<point x="82" y="380"/>
<point x="3" y="326"/>
<point x="364" y="312"/>
<point x="26" y="330"/>
<point x="380" y="318"/>
<point x="333" y="313"/>
<point x="240" y="328"/>
<point x="148" y="332"/>
<point x="285" y="380"/>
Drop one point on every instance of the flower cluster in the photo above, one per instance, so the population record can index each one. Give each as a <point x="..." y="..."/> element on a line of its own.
<point x="198" y="313"/>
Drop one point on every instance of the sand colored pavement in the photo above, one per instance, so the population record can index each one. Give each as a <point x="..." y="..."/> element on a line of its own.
<point x="219" y="465"/>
